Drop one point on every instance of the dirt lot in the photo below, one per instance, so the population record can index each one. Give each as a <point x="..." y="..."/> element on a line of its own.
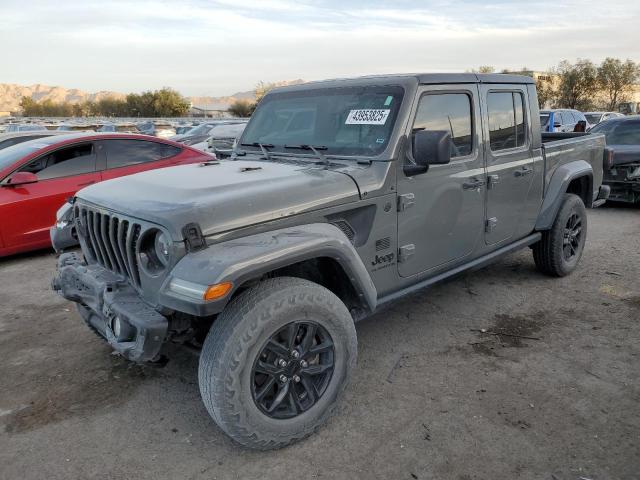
<point x="432" y="396"/>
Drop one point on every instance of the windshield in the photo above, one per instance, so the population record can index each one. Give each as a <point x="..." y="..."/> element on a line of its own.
<point x="227" y="131"/>
<point x="10" y="155"/>
<point x="200" y="130"/>
<point x="340" y="121"/>
<point x="593" y="118"/>
<point x="619" y="132"/>
<point x="544" y="119"/>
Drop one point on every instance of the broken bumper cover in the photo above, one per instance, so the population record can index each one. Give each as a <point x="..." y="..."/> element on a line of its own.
<point x="112" y="307"/>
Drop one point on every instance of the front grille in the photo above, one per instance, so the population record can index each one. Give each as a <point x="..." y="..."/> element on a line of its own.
<point x="111" y="241"/>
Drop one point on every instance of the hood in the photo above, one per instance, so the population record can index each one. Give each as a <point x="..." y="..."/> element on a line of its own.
<point x="223" y="195"/>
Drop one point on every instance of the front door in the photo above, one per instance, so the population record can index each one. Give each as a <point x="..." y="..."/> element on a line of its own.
<point x="509" y="160"/>
<point x="61" y="174"/>
<point x="441" y="211"/>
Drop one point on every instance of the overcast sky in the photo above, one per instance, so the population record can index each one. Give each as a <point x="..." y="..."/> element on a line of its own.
<point x="218" y="47"/>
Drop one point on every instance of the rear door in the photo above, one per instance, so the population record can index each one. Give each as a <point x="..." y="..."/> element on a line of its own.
<point x="509" y="160"/>
<point x="128" y="156"/>
<point x="32" y="208"/>
<point x="441" y="211"/>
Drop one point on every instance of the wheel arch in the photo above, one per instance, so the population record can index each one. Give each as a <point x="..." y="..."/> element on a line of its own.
<point x="574" y="177"/>
<point x="319" y="252"/>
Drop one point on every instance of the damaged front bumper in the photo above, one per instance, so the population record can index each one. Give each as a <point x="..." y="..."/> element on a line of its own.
<point x="112" y="307"/>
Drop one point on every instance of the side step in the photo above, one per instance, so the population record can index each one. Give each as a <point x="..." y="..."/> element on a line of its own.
<point x="473" y="265"/>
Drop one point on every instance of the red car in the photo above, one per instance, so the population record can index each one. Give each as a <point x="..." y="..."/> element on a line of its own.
<point x="38" y="176"/>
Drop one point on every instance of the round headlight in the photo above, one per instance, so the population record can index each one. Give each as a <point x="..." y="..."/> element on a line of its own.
<point x="163" y="248"/>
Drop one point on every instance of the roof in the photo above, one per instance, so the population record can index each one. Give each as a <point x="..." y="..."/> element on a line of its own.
<point x="421" y="78"/>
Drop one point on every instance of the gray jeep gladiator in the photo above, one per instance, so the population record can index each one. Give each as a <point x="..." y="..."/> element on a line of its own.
<point x="340" y="197"/>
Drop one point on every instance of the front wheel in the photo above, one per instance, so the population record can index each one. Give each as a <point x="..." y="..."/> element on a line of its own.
<point x="560" y="249"/>
<point x="276" y="361"/>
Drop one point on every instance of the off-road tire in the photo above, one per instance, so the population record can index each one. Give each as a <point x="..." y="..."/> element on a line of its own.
<point x="235" y="340"/>
<point x="548" y="252"/>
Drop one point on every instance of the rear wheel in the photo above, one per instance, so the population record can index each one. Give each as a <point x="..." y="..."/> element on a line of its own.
<point x="560" y="249"/>
<point x="276" y="361"/>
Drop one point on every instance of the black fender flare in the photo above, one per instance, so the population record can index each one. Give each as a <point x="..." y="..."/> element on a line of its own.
<point x="250" y="257"/>
<point x="557" y="187"/>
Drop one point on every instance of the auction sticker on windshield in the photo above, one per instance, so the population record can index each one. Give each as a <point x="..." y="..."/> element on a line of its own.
<point x="368" y="116"/>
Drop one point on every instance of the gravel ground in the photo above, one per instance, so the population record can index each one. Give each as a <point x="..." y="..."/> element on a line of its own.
<point x="433" y="397"/>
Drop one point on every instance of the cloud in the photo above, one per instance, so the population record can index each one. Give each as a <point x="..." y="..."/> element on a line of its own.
<point x="221" y="46"/>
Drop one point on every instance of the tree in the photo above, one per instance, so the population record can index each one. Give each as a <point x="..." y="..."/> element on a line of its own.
<point x="616" y="78"/>
<point x="30" y="108"/>
<point x="262" y="89"/>
<point x="546" y="94"/>
<point x="578" y="84"/>
<point x="169" y="103"/>
<point x="485" y="69"/>
<point x="242" y="108"/>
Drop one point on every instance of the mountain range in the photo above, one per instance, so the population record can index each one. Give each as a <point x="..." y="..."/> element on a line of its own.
<point x="11" y="94"/>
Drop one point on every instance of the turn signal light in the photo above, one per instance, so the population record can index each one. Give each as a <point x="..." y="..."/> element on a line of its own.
<point x="219" y="290"/>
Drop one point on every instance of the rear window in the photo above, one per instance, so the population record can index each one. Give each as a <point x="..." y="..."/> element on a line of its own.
<point x="122" y="153"/>
<point x="506" y="120"/>
<point x="593" y="119"/>
<point x="619" y="133"/>
<point x="544" y="119"/>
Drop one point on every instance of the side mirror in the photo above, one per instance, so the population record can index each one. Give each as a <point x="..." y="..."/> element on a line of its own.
<point x="429" y="147"/>
<point x="21" y="178"/>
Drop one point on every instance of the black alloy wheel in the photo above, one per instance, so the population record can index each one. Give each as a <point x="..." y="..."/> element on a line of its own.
<point x="292" y="370"/>
<point x="572" y="236"/>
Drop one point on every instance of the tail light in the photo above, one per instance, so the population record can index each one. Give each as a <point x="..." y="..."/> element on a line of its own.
<point x="609" y="154"/>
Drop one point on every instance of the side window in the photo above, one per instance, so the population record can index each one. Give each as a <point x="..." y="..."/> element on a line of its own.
<point x="450" y="112"/>
<point x="121" y="153"/>
<point x="65" y="162"/>
<point x="507" y="127"/>
<point x="170" y="151"/>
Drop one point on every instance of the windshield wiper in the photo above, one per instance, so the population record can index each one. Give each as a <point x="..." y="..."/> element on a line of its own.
<point x="315" y="149"/>
<point x="263" y="147"/>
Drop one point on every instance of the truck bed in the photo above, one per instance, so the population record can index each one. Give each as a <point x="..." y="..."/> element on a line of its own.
<point x="561" y="148"/>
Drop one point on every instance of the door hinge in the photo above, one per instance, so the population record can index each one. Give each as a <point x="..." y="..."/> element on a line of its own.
<point x="405" y="252"/>
<point x="492" y="181"/>
<point x="405" y="201"/>
<point x="490" y="224"/>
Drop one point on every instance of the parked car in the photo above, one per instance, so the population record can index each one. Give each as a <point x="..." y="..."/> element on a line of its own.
<point x="156" y="130"/>
<point x="629" y="108"/>
<point x="562" y="120"/>
<point x="594" y="118"/>
<point x="221" y="140"/>
<point x="203" y="131"/>
<point x="107" y="128"/>
<point x="622" y="157"/>
<point x="24" y="127"/>
<point x="341" y="197"/>
<point x="36" y="177"/>
<point x="10" y="139"/>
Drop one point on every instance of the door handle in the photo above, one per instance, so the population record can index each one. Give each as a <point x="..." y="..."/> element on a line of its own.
<point x="523" y="172"/>
<point x="86" y="183"/>
<point x="472" y="185"/>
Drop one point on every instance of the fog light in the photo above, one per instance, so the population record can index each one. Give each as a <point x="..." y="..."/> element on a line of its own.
<point x="122" y="330"/>
<point x="117" y="327"/>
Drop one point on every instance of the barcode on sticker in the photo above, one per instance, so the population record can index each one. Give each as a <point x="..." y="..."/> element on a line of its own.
<point x="368" y="116"/>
